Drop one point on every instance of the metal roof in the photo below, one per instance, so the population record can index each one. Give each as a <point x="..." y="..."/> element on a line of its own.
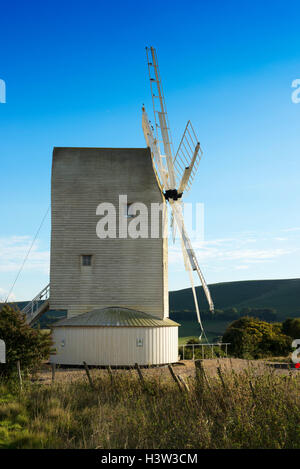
<point x="115" y="316"/>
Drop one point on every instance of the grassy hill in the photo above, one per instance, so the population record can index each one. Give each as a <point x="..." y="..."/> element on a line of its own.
<point x="282" y="295"/>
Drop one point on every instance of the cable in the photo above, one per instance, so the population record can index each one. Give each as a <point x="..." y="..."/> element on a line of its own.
<point x="28" y="252"/>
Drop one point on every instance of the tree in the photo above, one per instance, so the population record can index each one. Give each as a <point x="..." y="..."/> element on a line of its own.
<point x="30" y="346"/>
<point x="253" y="338"/>
<point x="291" y="327"/>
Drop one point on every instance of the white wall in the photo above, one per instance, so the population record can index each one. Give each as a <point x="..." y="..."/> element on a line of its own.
<point x="115" y="345"/>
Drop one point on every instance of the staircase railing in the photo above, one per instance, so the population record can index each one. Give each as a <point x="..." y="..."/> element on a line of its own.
<point x="33" y="306"/>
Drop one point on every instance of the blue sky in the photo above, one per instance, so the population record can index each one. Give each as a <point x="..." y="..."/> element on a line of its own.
<point x="76" y="75"/>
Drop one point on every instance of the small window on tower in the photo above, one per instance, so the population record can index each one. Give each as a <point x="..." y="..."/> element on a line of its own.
<point x="86" y="259"/>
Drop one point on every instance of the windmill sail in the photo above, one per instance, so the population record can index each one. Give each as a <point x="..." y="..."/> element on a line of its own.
<point x="155" y="152"/>
<point x="162" y="127"/>
<point x="176" y="175"/>
<point x="189" y="251"/>
<point x="187" y="158"/>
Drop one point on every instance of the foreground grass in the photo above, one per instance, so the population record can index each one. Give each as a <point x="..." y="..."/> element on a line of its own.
<point x="245" y="410"/>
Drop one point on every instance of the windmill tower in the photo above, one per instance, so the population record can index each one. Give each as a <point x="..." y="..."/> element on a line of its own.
<point x="114" y="289"/>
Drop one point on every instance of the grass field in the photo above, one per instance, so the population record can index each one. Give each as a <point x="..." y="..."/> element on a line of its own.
<point x="247" y="408"/>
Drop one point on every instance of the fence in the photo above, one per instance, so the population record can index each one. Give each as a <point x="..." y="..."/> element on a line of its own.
<point x="203" y="350"/>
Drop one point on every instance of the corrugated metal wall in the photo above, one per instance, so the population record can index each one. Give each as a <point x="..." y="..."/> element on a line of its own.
<point x="115" y="346"/>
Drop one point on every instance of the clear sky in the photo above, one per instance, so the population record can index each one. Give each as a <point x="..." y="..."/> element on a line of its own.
<point x="76" y="75"/>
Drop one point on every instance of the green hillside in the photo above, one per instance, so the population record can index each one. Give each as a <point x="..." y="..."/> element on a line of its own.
<point x="281" y="295"/>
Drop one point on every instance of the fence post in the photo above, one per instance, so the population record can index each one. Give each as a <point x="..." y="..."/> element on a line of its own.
<point x="53" y="366"/>
<point x="221" y="376"/>
<point x="88" y="375"/>
<point x="199" y="369"/>
<point x="110" y="374"/>
<point x="185" y="385"/>
<point x="137" y="367"/>
<point x="19" y="374"/>
<point x="252" y="389"/>
<point x="193" y="352"/>
<point x="200" y="373"/>
<point x="175" y="377"/>
<point x="183" y="347"/>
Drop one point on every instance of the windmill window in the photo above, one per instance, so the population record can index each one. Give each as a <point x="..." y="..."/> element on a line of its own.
<point x="86" y="259"/>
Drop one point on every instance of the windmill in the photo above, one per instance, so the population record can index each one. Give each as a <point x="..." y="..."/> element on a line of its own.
<point x="175" y="172"/>
<point x="114" y="290"/>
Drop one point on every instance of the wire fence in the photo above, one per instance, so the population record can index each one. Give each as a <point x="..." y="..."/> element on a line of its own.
<point x="196" y="351"/>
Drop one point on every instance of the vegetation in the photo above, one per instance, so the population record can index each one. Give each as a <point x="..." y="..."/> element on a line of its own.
<point x="231" y="410"/>
<point x="282" y="295"/>
<point x="268" y="300"/>
<point x="250" y="409"/>
<point x="23" y="343"/>
<point x="253" y="338"/>
<point x="291" y="327"/>
<point x="230" y="314"/>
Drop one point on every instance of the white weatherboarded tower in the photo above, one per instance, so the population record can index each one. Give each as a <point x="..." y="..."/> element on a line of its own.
<point x="115" y="290"/>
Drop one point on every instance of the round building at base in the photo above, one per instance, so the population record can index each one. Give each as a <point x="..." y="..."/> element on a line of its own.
<point x="115" y="336"/>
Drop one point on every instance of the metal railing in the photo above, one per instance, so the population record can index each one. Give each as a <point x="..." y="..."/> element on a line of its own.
<point x="223" y="346"/>
<point x="33" y="306"/>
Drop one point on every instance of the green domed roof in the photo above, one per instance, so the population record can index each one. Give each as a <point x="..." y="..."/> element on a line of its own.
<point x="115" y="316"/>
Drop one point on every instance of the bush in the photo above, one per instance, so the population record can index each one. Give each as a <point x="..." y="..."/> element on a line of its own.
<point x="23" y="343"/>
<point x="253" y="338"/>
<point x="291" y="327"/>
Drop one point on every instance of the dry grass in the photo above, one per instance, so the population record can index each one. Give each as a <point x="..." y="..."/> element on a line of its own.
<point x="185" y="368"/>
<point x="250" y="407"/>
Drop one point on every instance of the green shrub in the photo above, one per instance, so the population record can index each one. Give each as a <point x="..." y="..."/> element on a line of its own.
<point x="30" y="346"/>
<point x="291" y="327"/>
<point x="253" y="338"/>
